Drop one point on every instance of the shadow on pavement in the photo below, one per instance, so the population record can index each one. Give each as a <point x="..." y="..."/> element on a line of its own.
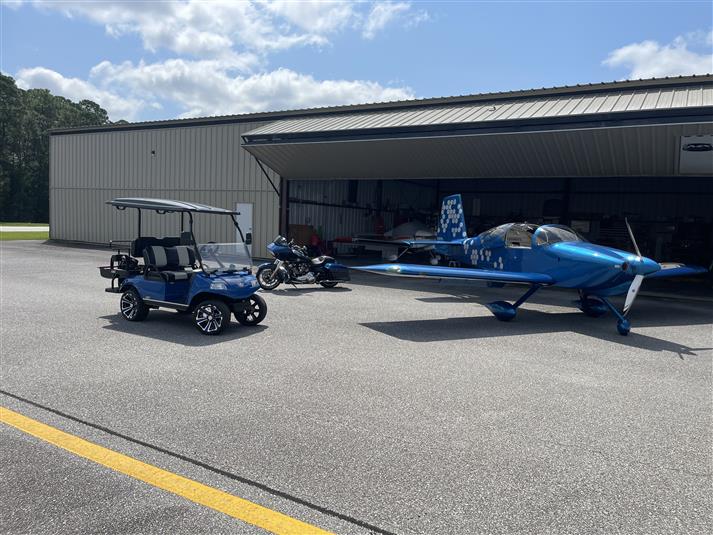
<point x="178" y="329"/>
<point x="529" y="322"/>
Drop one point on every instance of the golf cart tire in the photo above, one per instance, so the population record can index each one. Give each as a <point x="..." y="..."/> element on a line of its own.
<point x="211" y="317"/>
<point x="138" y="312"/>
<point x="254" y="313"/>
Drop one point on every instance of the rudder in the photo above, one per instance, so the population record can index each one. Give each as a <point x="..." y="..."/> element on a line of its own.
<point x="451" y="226"/>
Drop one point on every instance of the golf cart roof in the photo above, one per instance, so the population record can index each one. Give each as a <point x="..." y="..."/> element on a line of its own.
<point x="166" y="205"/>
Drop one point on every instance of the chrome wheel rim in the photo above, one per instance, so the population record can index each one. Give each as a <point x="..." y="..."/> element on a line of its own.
<point x="129" y="306"/>
<point x="209" y="318"/>
<point x="266" y="278"/>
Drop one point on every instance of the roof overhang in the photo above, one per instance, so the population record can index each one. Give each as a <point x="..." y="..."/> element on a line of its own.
<point x="625" y="145"/>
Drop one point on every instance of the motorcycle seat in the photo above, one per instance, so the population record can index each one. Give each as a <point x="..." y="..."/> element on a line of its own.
<point x="322" y="260"/>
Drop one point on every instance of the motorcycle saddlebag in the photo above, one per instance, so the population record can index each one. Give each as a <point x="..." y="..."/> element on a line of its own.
<point x="336" y="272"/>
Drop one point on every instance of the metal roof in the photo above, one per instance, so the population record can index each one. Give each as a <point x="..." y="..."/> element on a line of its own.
<point x="166" y="205"/>
<point x="617" y="102"/>
<point x="580" y="89"/>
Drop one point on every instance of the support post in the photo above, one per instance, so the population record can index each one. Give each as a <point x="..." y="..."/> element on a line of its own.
<point x="264" y="172"/>
<point x="284" y="207"/>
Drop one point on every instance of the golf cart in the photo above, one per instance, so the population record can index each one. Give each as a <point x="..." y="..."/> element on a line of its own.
<point x="210" y="280"/>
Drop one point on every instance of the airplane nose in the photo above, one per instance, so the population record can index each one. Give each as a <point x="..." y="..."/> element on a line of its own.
<point x="640" y="266"/>
<point x="649" y="266"/>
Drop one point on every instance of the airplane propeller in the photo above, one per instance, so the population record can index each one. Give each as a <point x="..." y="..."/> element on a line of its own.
<point x="638" y="279"/>
<point x="633" y="240"/>
<point x="632" y="293"/>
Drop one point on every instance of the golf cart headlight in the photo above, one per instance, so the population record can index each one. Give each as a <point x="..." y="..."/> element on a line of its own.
<point x="218" y="285"/>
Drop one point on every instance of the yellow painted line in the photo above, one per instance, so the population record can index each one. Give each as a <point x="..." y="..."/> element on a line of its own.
<point x="239" y="508"/>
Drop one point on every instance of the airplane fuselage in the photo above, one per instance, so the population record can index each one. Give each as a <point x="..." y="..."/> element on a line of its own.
<point x="595" y="269"/>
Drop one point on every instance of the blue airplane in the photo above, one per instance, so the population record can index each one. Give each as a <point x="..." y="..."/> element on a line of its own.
<point x="539" y="256"/>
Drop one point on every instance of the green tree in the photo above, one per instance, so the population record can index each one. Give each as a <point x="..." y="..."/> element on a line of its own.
<point x="26" y="119"/>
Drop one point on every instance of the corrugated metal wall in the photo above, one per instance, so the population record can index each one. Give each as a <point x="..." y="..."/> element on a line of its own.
<point x="334" y="216"/>
<point x="204" y="164"/>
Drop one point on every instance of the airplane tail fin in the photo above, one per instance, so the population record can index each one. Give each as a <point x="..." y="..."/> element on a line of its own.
<point x="451" y="225"/>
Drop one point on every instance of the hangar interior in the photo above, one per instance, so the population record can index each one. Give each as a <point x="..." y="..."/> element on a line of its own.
<point x="671" y="216"/>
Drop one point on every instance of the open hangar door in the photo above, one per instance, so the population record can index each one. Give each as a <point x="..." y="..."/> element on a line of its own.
<point x="671" y="217"/>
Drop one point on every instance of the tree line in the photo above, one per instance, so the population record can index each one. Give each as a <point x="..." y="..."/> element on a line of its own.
<point x="26" y="117"/>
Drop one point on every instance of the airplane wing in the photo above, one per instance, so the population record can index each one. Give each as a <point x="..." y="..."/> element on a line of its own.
<point x="441" y="272"/>
<point x="430" y="243"/>
<point x="409" y="243"/>
<point x="381" y="241"/>
<point x="676" y="270"/>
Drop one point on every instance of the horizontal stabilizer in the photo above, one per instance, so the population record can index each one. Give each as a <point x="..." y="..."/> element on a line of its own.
<point x="442" y="272"/>
<point x="676" y="270"/>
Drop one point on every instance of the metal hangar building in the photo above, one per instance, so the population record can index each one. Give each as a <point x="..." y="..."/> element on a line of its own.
<point x="586" y="155"/>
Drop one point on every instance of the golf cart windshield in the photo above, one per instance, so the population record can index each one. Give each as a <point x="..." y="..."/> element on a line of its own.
<point x="225" y="257"/>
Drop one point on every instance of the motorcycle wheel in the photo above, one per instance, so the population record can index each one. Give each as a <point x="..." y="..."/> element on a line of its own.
<point x="329" y="284"/>
<point x="266" y="280"/>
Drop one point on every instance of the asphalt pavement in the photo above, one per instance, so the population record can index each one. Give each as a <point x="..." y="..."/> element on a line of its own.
<point x="389" y="405"/>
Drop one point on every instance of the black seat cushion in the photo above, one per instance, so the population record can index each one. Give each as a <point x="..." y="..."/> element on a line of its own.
<point x="169" y="262"/>
<point x="173" y="276"/>
<point x="139" y="245"/>
<point x="169" y="258"/>
<point x="168" y="276"/>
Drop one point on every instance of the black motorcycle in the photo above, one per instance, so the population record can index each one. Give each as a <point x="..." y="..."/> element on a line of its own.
<point x="293" y="265"/>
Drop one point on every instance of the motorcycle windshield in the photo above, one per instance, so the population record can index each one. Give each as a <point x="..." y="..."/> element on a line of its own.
<point x="226" y="257"/>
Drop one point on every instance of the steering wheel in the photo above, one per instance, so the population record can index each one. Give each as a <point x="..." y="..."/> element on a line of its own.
<point x="210" y="248"/>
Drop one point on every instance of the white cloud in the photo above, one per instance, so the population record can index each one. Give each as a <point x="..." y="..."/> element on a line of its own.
<point x="649" y="59"/>
<point x="314" y="16"/>
<point x="206" y="87"/>
<point x="223" y="49"/>
<point x="209" y="29"/>
<point x="384" y="13"/>
<point x="76" y="89"/>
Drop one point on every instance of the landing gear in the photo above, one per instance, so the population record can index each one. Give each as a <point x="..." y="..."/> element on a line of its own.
<point x="505" y="311"/>
<point x="591" y="306"/>
<point x="622" y="325"/>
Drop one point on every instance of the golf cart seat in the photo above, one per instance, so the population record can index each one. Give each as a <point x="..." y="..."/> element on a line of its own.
<point x="169" y="263"/>
<point x="139" y="245"/>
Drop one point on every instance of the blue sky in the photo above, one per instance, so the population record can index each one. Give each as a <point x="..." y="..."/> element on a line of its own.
<point x="157" y="60"/>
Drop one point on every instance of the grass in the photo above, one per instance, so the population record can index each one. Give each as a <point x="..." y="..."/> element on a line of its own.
<point x="17" y="224"/>
<point x="39" y="235"/>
